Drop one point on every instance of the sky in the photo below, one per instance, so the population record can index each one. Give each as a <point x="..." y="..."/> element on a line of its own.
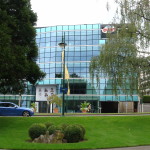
<point x="72" y="12"/>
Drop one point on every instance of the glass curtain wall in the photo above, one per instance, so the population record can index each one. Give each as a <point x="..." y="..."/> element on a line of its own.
<point x="83" y="42"/>
<point x="26" y="98"/>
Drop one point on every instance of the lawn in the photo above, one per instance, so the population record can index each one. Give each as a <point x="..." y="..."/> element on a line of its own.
<point x="101" y="132"/>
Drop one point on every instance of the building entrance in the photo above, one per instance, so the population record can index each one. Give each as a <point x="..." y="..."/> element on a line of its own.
<point x="109" y="107"/>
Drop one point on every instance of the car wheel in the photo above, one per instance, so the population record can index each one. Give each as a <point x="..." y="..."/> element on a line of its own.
<point x="26" y="114"/>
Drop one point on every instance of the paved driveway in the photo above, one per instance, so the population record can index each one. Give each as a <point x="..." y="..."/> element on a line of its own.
<point x="129" y="148"/>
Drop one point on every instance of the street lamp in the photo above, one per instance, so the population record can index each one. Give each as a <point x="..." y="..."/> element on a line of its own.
<point x="62" y="45"/>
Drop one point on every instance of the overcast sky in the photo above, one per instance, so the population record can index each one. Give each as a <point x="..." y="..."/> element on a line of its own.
<point x="69" y="12"/>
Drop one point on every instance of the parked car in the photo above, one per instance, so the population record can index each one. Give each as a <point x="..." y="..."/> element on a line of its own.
<point x="11" y="109"/>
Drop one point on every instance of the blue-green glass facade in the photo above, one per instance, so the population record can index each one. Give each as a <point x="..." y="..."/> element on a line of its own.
<point x="26" y="98"/>
<point x="83" y="42"/>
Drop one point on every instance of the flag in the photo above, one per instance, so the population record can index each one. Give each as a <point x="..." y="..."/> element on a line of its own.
<point x="67" y="76"/>
<point x="68" y="93"/>
<point x="62" y="56"/>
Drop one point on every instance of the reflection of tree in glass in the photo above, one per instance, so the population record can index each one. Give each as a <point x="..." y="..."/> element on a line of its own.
<point x="74" y="75"/>
<point x="58" y="75"/>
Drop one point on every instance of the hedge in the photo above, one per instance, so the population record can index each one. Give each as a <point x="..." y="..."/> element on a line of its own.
<point x="146" y="99"/>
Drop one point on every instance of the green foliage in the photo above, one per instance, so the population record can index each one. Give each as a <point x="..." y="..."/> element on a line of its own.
<point x="48" y="124"/>
<point x="73" y="133"/>
<point x="83" y="131"/>
<point x="124" y="131"/>
<point x="54" y="99"/>
<point x="53" y="128"/>
<point x="118" y="61"/>
<point x="146" y="99"/>
<point x="36" y="130"/>
<point x="18" y="46"/>
<point x="84" y="105"/>
<point x="33" y="105"/>
<point x="63" y="127"/>
<point x="121" y="59"/>
<point x="136" y="13"/>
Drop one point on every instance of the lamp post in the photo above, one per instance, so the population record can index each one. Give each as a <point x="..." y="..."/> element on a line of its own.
<point x="62" y="45"/>
<point x="19" y="98"/>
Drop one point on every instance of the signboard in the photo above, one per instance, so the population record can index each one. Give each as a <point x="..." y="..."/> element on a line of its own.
<point x="43" y="91"/>
<point x="65" y="90"/>
<point x="106" y="28"/>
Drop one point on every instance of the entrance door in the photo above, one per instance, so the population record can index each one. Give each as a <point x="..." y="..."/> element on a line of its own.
<point x="43" y="107"/>
<point x="109" y="107"/>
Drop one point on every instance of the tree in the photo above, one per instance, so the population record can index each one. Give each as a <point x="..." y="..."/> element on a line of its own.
<point x="17" y="45"/>
<point x="125" y="56"/>
<point x="136" y="12"/>
<point x="54" y="99"/>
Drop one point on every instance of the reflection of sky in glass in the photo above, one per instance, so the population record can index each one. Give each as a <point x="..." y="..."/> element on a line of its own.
<point x="83" y="42"/>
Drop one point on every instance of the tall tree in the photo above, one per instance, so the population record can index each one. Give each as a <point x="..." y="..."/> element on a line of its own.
<point x="18" y="49"/>
<point x="125" y="56"/>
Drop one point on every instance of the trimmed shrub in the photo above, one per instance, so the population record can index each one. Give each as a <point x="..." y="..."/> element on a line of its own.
<point x="146" y="99"/>
<point x="63" y="127"/>
<point x="73" y="133"/>
<point x="36" y="130"/>
<point x="48" y="124"/>
<point x="83" y="130"/>
<point x="53" y="128"/>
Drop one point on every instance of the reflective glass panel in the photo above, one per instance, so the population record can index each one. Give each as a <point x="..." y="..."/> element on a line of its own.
<point x="83" y="26"/>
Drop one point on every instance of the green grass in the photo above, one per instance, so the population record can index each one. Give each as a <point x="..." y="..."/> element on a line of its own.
<point x="85" y="114"/>
<point x="101" y="132"/>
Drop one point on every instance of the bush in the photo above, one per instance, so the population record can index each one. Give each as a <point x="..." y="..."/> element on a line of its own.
<point x="73" y="133"/>
<point x="36" y="130"/>
<point x="83" y="130"/>
<point x="48" y="124"/>
<point x="63" y="127"/>
<point x="146" y="99"/>
<point x="53" y="128"/>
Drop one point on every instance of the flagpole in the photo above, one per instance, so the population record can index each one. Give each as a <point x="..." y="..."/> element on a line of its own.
<point x="63" y="79"/>
<point x="62" y="45"/>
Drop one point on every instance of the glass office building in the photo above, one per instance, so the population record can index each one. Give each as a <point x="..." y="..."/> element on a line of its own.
<point x="83" y="42"/>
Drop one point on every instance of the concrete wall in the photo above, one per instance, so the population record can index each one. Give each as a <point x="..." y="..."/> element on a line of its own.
<point x="125" y="107"/>
<point x="146" y="107"/>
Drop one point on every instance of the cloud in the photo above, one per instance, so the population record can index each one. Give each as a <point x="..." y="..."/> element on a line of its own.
<point x="67" y="12"/>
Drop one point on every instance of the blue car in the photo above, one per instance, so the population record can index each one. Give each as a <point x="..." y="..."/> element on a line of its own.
<point x="11" y="109"/>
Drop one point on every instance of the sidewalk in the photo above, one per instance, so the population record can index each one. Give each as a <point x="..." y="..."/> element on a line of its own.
<point x="129" y="148"/>
<point x="122" y="148"/>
